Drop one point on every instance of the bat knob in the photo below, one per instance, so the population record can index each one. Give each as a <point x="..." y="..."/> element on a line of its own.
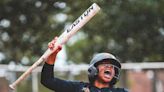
<point x="12" y="87"/>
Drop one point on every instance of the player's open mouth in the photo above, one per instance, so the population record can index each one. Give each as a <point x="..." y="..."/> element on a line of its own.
<point x="107" y="74"/>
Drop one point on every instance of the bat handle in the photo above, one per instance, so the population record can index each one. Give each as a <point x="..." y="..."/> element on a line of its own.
<point x="29" y="70"/>
<point x="25" y="74"/>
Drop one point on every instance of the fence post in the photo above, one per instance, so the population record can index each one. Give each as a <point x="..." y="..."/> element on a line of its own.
<point x="34" y="81"/>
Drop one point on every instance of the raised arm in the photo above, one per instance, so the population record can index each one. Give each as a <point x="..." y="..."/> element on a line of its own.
<point x="47" y="74"/>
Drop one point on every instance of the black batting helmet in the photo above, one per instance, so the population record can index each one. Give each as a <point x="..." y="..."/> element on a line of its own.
<point x="93" y="71"/>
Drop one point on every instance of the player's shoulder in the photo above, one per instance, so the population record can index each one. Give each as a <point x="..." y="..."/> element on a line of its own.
<point x="80" y="83"/>
<point x="85" y="83"/>
<point x="121" y="90"/>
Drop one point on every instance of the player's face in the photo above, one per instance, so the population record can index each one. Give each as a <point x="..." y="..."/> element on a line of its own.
<point x="106" y="71"/>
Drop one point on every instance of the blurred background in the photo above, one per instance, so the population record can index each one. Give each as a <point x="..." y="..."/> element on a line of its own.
<point x="133" y="30"/>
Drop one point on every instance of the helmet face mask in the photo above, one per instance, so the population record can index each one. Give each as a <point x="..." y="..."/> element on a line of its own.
<point x="99" y="58"/>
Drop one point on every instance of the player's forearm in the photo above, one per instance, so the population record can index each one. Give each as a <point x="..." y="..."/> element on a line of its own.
<point x="51" y="82"/>
<point x="47" y="74"/>
<point x="51" y="59"/>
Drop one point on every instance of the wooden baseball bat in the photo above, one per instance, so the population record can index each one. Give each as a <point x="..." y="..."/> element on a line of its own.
<point x="63" y="38"/>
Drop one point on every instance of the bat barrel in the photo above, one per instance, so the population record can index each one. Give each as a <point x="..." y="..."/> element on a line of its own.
<point x="78" y="23"/>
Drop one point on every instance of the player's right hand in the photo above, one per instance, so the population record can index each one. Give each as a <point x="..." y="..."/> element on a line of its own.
<point x="55" y="48"/>
<point x="53" y="45"/>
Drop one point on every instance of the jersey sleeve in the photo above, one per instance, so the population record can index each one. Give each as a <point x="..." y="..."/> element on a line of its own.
<point x="56" y="84"/>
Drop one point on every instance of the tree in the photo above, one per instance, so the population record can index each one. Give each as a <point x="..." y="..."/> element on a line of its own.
<point x="130" y="29"/>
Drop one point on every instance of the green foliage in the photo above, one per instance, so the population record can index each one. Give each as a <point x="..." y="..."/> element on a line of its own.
<point x="133" y="30"/>
<point x="129" y="29"/>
